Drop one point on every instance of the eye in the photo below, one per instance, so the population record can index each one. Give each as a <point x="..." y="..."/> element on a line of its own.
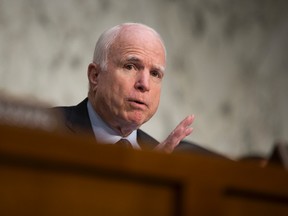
<point x="129" y="66"/>
<point x="156" y="74"/>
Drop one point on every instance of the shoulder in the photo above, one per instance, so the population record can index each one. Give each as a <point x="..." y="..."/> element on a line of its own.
<point x="186" y="146"/>
<point x="75" y="118"/>
<point x="72" y="110"/>
<point x="145" y="140"/>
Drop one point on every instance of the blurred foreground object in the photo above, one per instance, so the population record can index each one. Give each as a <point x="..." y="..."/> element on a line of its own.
<point x="46" y="173"/>
<point x="277" y="158"/>
<point x="20" y="113"/>
<point x="279" y="155"/>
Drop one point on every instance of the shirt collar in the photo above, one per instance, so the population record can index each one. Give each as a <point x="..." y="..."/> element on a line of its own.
<point x="106" y="134"/>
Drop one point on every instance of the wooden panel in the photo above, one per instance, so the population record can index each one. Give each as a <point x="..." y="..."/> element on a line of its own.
<point x="44" y="173"/>
<point x="239" y="206"/>
<point x="29" y="191"/>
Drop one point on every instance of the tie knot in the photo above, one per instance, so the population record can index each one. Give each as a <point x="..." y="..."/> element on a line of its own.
<point x="124" y="143"/>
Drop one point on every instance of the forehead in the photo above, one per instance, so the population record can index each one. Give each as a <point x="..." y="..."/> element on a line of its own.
<point x="143" y="43"/>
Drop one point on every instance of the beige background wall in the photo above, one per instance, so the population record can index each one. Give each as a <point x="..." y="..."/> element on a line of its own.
<point x="227" y="62"/>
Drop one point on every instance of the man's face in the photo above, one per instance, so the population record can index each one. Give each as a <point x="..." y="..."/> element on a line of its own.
<point x="127" y="94"/>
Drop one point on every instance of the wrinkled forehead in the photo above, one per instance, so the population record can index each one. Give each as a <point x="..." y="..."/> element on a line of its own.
<point x="139" y="38"/>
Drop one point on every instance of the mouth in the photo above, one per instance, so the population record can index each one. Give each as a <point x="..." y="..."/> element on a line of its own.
<point x="137" y="102"/>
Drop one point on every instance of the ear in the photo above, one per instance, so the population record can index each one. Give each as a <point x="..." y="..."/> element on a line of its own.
<point x="93" y="74"/>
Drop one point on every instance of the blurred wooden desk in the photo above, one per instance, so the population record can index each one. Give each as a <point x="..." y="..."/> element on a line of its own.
<point x="45" y="173"/>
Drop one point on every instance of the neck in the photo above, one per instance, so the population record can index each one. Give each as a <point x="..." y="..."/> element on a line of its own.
<point x="123" y="129"/>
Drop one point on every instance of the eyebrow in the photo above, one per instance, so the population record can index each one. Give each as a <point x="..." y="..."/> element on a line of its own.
<point x="132" y="58"/>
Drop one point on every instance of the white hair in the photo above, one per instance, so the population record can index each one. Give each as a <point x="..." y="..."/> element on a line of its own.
<point x="108" y="37"/>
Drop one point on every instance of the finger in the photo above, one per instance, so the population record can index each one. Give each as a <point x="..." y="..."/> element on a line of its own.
<point x="182" y="130"/>
<point x="188" y="131"/>
<point x="187" y="121"/>
<point x="179" y="135"/>
<point x="183" y="127"/>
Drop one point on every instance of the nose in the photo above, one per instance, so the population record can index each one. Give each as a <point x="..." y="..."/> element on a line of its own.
<point x="143" y="81"/>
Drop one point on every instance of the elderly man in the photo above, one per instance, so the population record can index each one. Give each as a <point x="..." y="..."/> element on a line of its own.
<point x="125" y="81"/>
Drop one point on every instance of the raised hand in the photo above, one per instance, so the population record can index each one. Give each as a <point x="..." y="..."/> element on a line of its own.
<point x="182" y="130"/>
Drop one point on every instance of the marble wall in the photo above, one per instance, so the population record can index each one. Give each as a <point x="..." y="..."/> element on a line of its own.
<point x="227" y="62"/>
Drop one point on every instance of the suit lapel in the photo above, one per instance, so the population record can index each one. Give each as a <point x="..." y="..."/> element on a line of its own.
<point x="77" y="118"/>
<point x="78" y="121"/>
<point x="145" y="141"/>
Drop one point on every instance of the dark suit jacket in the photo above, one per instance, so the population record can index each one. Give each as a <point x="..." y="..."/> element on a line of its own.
<point x="76" y="120"/>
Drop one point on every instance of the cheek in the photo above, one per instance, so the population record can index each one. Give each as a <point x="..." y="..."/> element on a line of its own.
<point x="155" y="99"/>
<point x="113" y="91"/>
<point x="108" y="83"/>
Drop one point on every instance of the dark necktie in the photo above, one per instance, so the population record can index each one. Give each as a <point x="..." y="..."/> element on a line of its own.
<point x="124" y="143"/>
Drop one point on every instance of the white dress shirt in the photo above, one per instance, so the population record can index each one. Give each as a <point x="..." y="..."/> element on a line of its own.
<point x="104" y="133"/>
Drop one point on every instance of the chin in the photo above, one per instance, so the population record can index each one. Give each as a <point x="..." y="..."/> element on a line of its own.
<point x="136" y="121"/>
<point x="137" y="118"/>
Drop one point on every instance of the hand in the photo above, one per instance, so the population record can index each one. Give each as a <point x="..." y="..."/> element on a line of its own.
<point x="180" y="132"/>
